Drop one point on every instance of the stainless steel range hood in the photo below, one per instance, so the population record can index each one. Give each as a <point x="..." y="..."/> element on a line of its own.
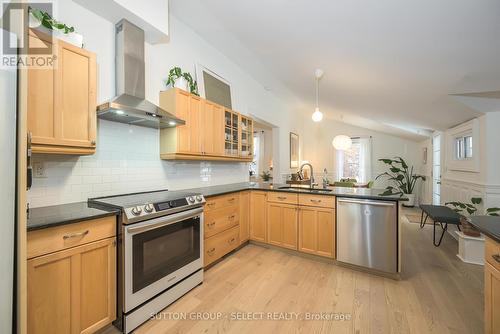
<point x="130" y="105"/>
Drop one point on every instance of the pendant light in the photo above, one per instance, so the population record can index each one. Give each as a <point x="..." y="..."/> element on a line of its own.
<point x="317" y="115"/>
<point x="342" y="142"/>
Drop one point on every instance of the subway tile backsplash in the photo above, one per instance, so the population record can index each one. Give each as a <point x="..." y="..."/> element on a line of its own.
<point x="126" y="160"/>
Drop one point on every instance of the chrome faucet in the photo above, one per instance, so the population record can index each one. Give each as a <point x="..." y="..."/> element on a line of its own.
<point x="311" y="183"/>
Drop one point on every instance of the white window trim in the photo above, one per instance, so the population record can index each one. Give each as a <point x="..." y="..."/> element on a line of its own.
<point x="465" y="165"/>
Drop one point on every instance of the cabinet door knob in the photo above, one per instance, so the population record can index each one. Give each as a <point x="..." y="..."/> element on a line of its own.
<point x="92" y="142"/>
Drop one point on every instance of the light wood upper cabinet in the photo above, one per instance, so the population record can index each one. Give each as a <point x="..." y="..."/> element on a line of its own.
<point x="211" y="132"/>
<point x="317" y="231"/>
<point x="62" y="100"/>
<point x="184" y="139"/>
<point x="258" y="216"/>
<point x="73" y="291"/>
<point x="244" y="216"/>
<point x="282" y="225"/>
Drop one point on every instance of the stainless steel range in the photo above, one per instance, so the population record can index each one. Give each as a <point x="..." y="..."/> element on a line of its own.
<point x="160" y="251"/>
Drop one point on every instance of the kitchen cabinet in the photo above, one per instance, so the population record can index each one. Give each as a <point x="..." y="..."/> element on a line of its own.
<point x="258" y="216"/>
<point x="220" y="244"/>
<point x="211" y="132"/>
<point x="184" y="139"/>
<point x="62" y="100"/>
<point x="244" y="216"/>
<point x="492" y="287"/>
<point x="282" y="225"/>
<point x="246" y="137"/>
<point x="73" y="290"/>
<point x="317" y="231"/>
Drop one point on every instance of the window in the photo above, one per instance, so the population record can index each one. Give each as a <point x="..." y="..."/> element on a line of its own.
<point x="463" y="147"/>
<point x="355" y="163"/>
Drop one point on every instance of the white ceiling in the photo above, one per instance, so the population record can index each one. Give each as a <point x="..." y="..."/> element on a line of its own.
<point x="388" y="62"/>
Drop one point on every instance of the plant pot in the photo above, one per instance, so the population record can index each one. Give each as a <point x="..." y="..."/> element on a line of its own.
<point x="467" y="228"/>
<point x="410" y="203"/>
<point x="181" y="83"/>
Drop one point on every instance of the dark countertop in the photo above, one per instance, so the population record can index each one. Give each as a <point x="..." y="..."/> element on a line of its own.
<point x="50" y="216"/>
<point x="488" y="225"/>
<point x="365" y="193"/>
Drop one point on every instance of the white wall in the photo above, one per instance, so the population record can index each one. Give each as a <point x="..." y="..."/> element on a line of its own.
<point x="462" y="185"/>
<point x="127" y="157"/>
<point x="317" y="147"/>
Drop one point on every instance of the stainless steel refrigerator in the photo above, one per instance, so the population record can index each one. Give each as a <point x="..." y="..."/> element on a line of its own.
<point x="8" y="183"/>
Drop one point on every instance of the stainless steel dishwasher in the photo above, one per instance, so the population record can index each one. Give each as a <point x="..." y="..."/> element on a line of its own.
<point x="367" y="233"/>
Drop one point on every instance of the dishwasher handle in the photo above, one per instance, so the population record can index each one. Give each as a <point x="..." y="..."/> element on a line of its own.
<point x="367" y="202"/>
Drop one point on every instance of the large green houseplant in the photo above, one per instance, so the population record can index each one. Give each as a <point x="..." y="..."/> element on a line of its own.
<point x="403" y="178"/>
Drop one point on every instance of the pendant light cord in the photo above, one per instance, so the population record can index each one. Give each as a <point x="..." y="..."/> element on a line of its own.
<point x="317" y="92"/>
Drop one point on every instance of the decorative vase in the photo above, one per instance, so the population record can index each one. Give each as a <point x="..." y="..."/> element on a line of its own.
<point x="410" y="203"/>
<point x="181" y="83"/>
<point x="467" y="228"/>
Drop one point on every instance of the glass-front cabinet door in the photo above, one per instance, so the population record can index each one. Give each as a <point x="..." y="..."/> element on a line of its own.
<point x="246" y="133"/>
<point x="231" y="133"/>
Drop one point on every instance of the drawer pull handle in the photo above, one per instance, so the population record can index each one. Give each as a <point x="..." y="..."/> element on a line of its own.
<point x="210" y="251"/>
<point x="231" y="199"/>
<point x="315" y="200"/>
<point x="282" y="198"/>
<point x="496" y="257"/>
<point x="231" y="217"/>
<point x="211" y="224"/>
<point x="232" y="240"/>
<point x="76" y="235"/>
<point x="210" y="204"/>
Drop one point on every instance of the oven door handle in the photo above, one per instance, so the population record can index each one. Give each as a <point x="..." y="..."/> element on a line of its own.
<point x="160" y="222"/>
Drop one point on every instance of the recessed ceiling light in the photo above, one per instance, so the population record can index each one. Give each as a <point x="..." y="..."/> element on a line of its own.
<point x="119" y="112"/>
<point x="172" y="123"/>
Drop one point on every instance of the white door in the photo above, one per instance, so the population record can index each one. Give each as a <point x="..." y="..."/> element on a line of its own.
<point x="436" y="170"/>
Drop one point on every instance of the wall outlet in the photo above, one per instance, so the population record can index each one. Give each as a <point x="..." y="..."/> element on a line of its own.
<point x="39" y="169"/>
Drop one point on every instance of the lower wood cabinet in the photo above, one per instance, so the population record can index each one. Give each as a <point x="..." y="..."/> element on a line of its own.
<point x="492" y="287"/>
<point x="317" y="231"/>
<point x="221" y="244"/>
<point x="244" y="216"/>
<point x="73" y="290"/>
<point x="258" y="216"/>
<point x="282" y="225"/>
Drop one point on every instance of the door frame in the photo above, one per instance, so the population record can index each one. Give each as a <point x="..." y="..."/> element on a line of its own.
<point x="433" y="186"/>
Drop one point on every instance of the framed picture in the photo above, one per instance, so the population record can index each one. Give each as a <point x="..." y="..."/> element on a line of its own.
<point x="294" y="150"/>
<point x="213" y="87"/>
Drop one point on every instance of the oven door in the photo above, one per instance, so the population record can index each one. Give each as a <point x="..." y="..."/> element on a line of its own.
<point x="159" y="253"/>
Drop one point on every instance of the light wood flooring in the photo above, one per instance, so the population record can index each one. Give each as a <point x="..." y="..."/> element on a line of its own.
<point x="437" y="293"/>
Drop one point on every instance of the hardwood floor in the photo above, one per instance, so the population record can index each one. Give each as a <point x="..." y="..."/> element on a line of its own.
<point x="437" y="294"/>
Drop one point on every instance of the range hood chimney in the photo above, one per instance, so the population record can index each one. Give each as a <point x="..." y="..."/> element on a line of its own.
<point x="130" y="105"/>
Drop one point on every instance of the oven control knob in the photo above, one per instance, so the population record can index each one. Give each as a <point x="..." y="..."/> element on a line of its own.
<point x="191" y="199"/>
<point x="148" y="208"/>
<point x="136" y="210"/>
<point x="199" y="198"/>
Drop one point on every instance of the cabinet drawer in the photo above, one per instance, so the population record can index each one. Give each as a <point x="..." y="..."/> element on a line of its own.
<point x="317" y="200"/>
<point x="223" y="201"/>
<point x="221" y="244"/>
<point x="492" y="253"/>
<point x="220" y="220"/>
<point x="57" y="238"/>
<point x="282" y="197"/>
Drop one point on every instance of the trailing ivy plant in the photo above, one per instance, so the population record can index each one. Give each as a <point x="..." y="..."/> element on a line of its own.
<point x="471" y="207"/>
<point x="401" y="175"/>
<point x="176" y="73"/>
<point x="49" y="22"/>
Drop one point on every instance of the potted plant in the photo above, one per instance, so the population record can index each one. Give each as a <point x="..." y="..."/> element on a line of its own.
<point x="41" y="20"/>
<point x="266" y="176"/>
<point x="182" y="80"/>
<point x="471" y="209"/>
<point x="403" y="177"/>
